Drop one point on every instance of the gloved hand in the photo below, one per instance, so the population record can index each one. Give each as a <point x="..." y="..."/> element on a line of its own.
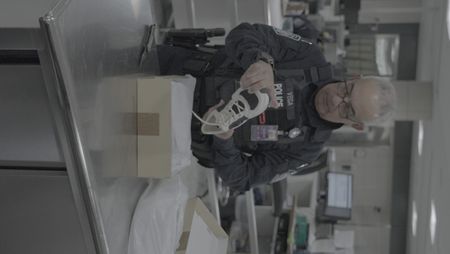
<point x="225" y="135"/>
<point x="259" y="76"/>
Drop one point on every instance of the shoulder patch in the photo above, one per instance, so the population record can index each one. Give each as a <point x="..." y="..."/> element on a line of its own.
<point x="286" y="34"/>
<point x="289" y="35"/>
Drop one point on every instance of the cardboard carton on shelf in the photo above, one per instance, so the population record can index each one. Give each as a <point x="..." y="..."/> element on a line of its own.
<point x="164" y="105"/>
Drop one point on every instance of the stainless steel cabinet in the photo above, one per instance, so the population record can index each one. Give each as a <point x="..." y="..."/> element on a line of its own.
<point x="27" y="135"/>
<point x="37" y="213"/>
<point x="74" y="120"/>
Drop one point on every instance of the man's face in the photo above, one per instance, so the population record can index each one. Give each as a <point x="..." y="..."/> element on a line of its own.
<point x="349" y="103"/>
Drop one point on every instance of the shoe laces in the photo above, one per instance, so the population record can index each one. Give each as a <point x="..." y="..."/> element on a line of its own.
<point x="233" y="112"/>
<point x="228" y="115"/>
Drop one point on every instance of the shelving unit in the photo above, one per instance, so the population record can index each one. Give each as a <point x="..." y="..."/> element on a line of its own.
<point x="251" y="215"/>
<point x="262" y="224"/>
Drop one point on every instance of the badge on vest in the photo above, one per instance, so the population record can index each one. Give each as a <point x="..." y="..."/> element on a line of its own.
<point x="264" y="133"/>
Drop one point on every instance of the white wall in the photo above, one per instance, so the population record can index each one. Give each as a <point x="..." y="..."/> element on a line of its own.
<point x="369" y="239"/>
<point x="390" y="11"/>
<point x="23" y="13"/>
<point x="414" y="100"/>
<point x="372" y="185"/>
<point x="372" y="172"/>
<point x="201" y="13"/>
<point x="225" y="13"/>
<point x="275" y="13"/>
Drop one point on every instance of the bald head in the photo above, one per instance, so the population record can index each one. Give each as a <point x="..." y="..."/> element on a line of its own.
<point x="368" y="100"/>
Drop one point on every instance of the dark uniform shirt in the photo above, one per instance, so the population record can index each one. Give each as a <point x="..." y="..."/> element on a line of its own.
<point x="266" y="162"/>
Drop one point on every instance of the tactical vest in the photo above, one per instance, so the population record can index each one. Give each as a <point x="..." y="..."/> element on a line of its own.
<point x="288" y="120"/>
<point x="284" y="124"/>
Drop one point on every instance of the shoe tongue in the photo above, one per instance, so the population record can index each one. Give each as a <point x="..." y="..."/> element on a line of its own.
<point x="238" y="122"/>
<point x="252" y="99"/>
<point x="238" y="107"/>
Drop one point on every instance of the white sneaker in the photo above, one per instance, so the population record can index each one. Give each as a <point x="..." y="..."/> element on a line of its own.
<point x="242" y="107"/>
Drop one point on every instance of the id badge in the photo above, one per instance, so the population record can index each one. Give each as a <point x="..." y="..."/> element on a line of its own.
<point x="264" y="133"/>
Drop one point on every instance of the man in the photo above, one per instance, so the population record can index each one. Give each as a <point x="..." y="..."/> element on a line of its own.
<point x="306" y="102"/>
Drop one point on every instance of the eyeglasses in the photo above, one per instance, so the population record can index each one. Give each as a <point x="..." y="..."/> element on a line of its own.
<point x="345" y="107"/>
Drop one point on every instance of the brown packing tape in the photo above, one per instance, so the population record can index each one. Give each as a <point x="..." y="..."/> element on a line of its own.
<point x="148" y="124"/>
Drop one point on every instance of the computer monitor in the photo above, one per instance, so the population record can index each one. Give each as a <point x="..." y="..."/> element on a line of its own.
<point x="339" y="196"/>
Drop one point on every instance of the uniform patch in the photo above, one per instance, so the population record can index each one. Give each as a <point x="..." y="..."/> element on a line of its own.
<point x="289" y="35"/>
<point x="279" y="94"/>
<point x="290" y="99"/>
<point x="286" y="34"/>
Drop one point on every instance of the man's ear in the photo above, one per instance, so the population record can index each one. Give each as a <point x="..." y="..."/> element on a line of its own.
<point x="358" y="126"/>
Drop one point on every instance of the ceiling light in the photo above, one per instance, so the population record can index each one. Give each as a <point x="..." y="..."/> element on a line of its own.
<point x="332" y="154"/>
<point x="448" y="19"/>
<point x="420" y="139"/>
<point x="414" y="219"/>
<point x="433" y="222"/>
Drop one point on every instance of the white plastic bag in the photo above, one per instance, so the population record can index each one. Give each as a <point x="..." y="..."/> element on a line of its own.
<point x="157" y="222"/>
<point x="182" y="101"/>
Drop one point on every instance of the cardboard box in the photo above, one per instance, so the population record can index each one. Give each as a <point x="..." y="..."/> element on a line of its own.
<point x="201" y="232"/>
<point x="164" y="125"/>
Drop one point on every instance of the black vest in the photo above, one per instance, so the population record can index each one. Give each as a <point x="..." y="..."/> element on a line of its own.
<point x="222" y="84"/>
<point x="290" y="116"/>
